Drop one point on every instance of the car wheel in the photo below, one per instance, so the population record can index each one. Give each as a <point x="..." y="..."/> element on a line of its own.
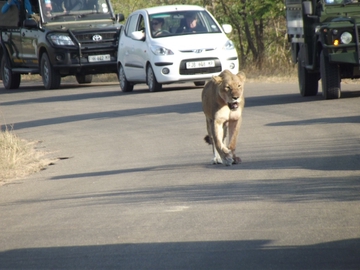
<point x="10" y="80"/>
<point x="151" y="81"/>
<point x="202" y="83"/>
<point x="330" y="78"/>
<point x="125" y="85"/>
<point x="51" y="78"/>
<point x="308" y="82"/>
<point x="81" y="78"/>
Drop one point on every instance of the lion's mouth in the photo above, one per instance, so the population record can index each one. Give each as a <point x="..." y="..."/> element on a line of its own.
<point x="233" y="105"/>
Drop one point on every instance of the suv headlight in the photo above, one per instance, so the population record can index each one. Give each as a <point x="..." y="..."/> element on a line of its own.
<point x="61" y="40"/>
<point x="229" y="45"/>
<point x="157" y="50"/>
<point x="346" y="38"/>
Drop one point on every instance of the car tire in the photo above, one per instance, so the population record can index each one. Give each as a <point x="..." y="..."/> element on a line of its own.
<point x="10" y="80"/>
<point x="330" y="78"/>
<point x="202" y="83"/>
<point x="51" y="78"/>
<point x="308" y="82"/>
<point x="151" y="81"/>
<point x="125" y="85"/>
<point x="81" y="78"/>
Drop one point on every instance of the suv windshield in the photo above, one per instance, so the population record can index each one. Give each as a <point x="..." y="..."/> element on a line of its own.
<point x="337" y="2"/>
<point x="182" y="23"/>
<point x="74" y="10"/>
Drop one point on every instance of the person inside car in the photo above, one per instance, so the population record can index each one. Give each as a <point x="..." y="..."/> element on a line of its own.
<point x="10" y="3"/>
<point x="191" y="24"/>
<point x="156" y="26"/>
<point x="73" y="5"/>
<point x="63" y="6"/>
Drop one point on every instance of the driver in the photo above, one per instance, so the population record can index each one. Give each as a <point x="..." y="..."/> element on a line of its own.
<point x="65" y="6"/>
<point x="73" y="5"/>
<point x="156" y="26"/>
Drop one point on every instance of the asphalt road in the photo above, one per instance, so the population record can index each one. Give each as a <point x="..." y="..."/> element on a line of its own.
<point x="134" y="188"/>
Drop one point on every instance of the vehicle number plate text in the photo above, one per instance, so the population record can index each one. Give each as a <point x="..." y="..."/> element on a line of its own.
<point x="99" y="58"/>
<point x="200" y="64"/>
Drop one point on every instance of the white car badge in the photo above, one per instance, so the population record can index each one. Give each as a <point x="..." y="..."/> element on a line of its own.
<point x="198" y="50"/>
<point x="96" y="38"/>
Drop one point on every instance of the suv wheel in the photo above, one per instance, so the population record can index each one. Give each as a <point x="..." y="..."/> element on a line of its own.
<point x="50" y="77"/>
<point x="330" y="78"/>
<point x="125" y="85"/>
<point x="151" y="81"/>
<point x="80" y="78"/>
<point x="10" y="80"/>
<point x="308" y="82"/>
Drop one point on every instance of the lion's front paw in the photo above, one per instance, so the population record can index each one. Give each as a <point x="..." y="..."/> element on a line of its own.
<point x="227" y="160"/>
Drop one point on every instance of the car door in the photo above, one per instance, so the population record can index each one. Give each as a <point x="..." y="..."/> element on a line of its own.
<point x="133" y="50"/>
<point x="29" y="39"/>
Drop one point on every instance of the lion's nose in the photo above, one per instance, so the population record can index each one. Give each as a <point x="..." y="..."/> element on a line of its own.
<point x="235" y="98"/>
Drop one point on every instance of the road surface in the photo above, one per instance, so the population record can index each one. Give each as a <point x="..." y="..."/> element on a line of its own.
<point x="133" y="187"/>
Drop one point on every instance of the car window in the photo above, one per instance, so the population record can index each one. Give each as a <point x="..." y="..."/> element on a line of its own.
<point x="140" y="24"/>
<point x="130" y="25"/>
<point x="185" y="23"/>
<point x="334" y="1"/>
<point x="74" y="10"/>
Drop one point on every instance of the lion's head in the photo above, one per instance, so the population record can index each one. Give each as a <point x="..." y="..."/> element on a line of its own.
<point x="230" y="87"/>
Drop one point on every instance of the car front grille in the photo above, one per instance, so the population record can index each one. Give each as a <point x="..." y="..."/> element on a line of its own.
<point x="108" y="39"/>
<point x="184" y="71"/>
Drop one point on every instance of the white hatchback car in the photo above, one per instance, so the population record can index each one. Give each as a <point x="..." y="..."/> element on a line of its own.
<point x="169" y="44"/>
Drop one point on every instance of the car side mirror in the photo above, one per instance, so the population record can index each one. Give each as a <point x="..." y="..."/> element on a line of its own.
<point x="227" y="28"/>
<point x="138" y="35"/>
<point x="120" y="17"/>
<point x="30" y="23"/>
<point x="308" y="10"/>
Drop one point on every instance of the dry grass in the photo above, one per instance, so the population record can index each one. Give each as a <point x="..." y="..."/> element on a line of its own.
<point x="19" y="158"/>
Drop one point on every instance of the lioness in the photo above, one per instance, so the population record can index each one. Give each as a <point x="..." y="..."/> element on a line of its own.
<point x="223" y="102"/>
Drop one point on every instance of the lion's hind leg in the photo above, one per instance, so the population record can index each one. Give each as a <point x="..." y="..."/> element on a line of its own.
<point x="237" y="160"/>
<point x="210" y="140"/>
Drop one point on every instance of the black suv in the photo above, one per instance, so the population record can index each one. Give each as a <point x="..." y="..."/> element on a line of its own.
<point x="55" y="39"/>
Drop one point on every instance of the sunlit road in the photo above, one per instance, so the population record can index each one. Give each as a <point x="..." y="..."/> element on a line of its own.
<point x="134" y="188"/>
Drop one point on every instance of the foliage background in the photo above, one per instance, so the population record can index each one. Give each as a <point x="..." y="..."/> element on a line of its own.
<point x="259" y="30"/>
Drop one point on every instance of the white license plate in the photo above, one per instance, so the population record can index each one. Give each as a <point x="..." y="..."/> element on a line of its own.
<point x="200" y="64"/>
<point x="99" y="58"/>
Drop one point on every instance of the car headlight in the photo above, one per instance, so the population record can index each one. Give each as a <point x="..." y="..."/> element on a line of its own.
<point x="157" y="50"/>
<point x="346" y="38"/>
<point x="61" y="40"/>
<point x="229" y="45"/>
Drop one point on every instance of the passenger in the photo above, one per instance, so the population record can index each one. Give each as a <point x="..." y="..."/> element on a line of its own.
<point x="10" y="3"/>
<point x="191" y="24"/>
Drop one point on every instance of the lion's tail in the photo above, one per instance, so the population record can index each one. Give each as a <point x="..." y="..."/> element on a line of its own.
<point x="207" y="139"/>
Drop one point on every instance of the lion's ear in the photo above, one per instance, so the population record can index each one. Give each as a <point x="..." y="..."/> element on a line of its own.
<point x="241" y="76"/>
<point x="217" y="79"/>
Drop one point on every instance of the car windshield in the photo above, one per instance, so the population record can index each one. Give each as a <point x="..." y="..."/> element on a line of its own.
<point x="337" y="2"/>
<point x="182" y="23"/>
<point x="74" y="10"/>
